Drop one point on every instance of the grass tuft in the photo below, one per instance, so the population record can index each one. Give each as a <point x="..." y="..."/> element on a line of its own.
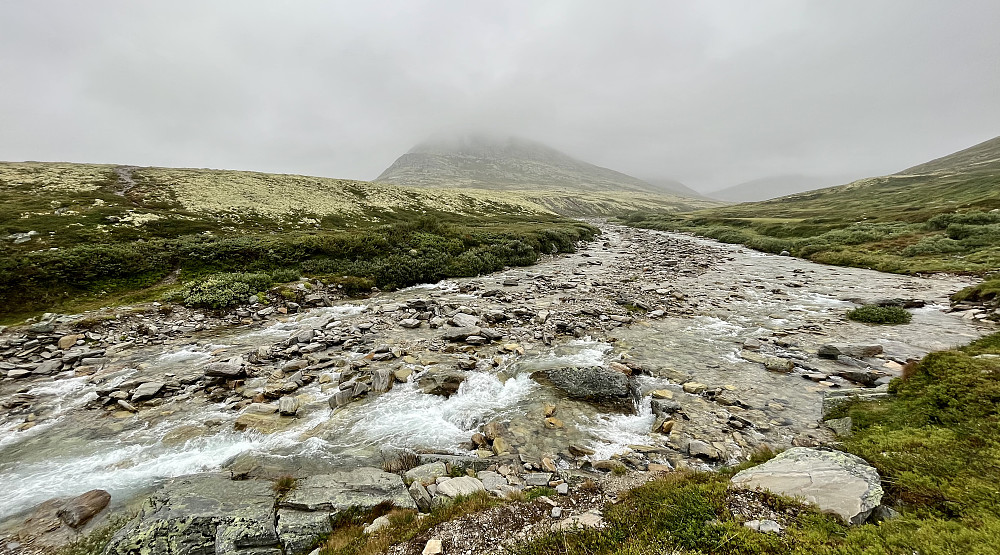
<point x="882" y="315"/>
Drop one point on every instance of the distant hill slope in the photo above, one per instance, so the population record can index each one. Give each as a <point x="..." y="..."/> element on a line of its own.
<point x="674" y="187"/>
<point x="940" y="216"/>
<point x="510" y="163"/>
<point x="771" y="187"/>
<point x="983" y="157"/>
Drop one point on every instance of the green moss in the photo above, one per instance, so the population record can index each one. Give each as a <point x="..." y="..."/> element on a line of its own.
<point x="883" y="315"/>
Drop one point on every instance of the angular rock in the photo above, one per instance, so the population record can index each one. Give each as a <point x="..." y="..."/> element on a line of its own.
<point x="833" y="350"/>
<point x="441" y="383"/>
<point x="409" y="323"/>
<point x="224" y="370"/>
<point x="300" y="531"/>
<point x="202" y="514"/>
<point x="48" y="367"/>
<point x="461" y="334"/>
<point x="770" y="362"/>
<point x="421" y="496"/>
<point x="463" y="320"/>
<point x="363" y="488"/>
<point x="595" y="384"/>
<point x="288" y="406"/>
<point x="838" y="483"/>
<point x="427" y="473"/>
<point x="463" y="485"/>
<point x="697" y="448"/>
<point x="146" y="391"/>
<point x="382" y="380"/>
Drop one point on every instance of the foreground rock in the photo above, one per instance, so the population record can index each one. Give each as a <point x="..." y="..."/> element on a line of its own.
<point x="596" y="384"/>
<point x="838" y="483"/>
<point x="206" y="513"/>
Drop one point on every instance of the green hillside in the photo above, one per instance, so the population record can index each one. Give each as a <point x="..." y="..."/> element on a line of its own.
<point x="73" y="236"/>
<point x="939" y="216"/>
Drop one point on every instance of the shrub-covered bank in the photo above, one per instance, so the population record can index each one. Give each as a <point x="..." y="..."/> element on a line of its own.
<point x="425" y="249"/>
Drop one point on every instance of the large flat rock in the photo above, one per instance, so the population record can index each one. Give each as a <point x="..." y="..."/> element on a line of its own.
<point x="201" y="515"/>
<point x="363" y="488"/>
<point x="838" y="483"/>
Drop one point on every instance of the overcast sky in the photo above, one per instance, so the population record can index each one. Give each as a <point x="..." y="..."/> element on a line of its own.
<point x="710" y="93"/>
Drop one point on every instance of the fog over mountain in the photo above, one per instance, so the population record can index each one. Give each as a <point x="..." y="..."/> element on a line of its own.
<point x="706" y="93"/>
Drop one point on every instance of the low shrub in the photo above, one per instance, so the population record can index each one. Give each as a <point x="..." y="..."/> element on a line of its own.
<point x="221" y="290"/>
<point x="883" y="315"/>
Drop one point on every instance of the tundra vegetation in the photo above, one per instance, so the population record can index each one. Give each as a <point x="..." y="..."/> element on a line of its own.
<point x="107" y="234"/>
<point x="943" y="216"/>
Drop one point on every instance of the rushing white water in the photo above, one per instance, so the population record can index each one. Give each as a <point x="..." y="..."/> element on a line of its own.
<point x="405" y="417"/>
<point x="618" y="431"/>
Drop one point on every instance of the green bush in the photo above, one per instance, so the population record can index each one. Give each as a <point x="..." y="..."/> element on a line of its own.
<point x="875" y="314"/>
<point x="221" y="290"/>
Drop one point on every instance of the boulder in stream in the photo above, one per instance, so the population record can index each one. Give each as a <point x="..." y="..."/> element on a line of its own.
<point x="596" y="384"/>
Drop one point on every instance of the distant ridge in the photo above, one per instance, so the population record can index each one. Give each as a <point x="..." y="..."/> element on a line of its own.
<point x="771" y="187"/>
<point x="483" y="162"/>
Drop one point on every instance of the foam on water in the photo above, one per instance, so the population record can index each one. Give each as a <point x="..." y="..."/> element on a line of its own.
<point x="715" y="326"/>
<point x="138" y="459"/>
<point x="615" y="432"/>
<point x="188" y="353"/>
<point x="61" y="396"/>
<point x="579" y="352"/>
<point x="405" y="417"/>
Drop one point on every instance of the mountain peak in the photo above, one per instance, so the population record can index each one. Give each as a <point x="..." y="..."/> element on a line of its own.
<point x="484" y="161"/>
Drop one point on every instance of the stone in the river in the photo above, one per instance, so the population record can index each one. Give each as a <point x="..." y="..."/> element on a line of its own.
<point x="288" y="406"/>
<point x="441" y="383"/>
<point x="67" y="341"/>
<point x="409" y="323"/>
<point x="224" y="370"/>
<point x="363" y="488"/>
<point x="263" y="423"/>
<point x="697" y="448"/>
<point x="202" y="514"/>
<point x="340" y="398"/>
<point x="300" y="531"/>
<point x="838" y="483"/>
<point x="48" y="367"/>
<point x="463" y="485"/>
<point x="770" y="362"/>
<point x="694" y="388"/>
<point x="463" y="320"/>
<point x="461" y="334"/>
<point x="833" y="350"/>
<point x="595" y="384"/>
<point x="146" y="391"/>
<point x="382" y="380"/>
<point x="78" y="511"/>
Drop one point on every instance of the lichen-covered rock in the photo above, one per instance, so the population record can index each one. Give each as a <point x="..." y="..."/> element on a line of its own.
<point x="300" y="531"/>
<point x="363" y="488"/>
<point x="202" y="514"/>
<point x="838" y="483"/>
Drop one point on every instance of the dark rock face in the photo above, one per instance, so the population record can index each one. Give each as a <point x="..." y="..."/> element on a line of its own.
<point x="596" y="384"/>
<point x="445" y="384"/>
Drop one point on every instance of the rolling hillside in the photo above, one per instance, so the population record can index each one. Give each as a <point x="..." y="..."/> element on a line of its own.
<point x="940" y="216"/>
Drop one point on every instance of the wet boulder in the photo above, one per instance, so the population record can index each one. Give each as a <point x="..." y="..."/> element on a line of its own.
<point x="596" y="384"/>
<point x="444" y="383"/>
<point x="838" y="483"/>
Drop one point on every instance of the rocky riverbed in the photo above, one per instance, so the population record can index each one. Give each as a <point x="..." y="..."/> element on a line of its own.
<point x="643" y="351"/>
